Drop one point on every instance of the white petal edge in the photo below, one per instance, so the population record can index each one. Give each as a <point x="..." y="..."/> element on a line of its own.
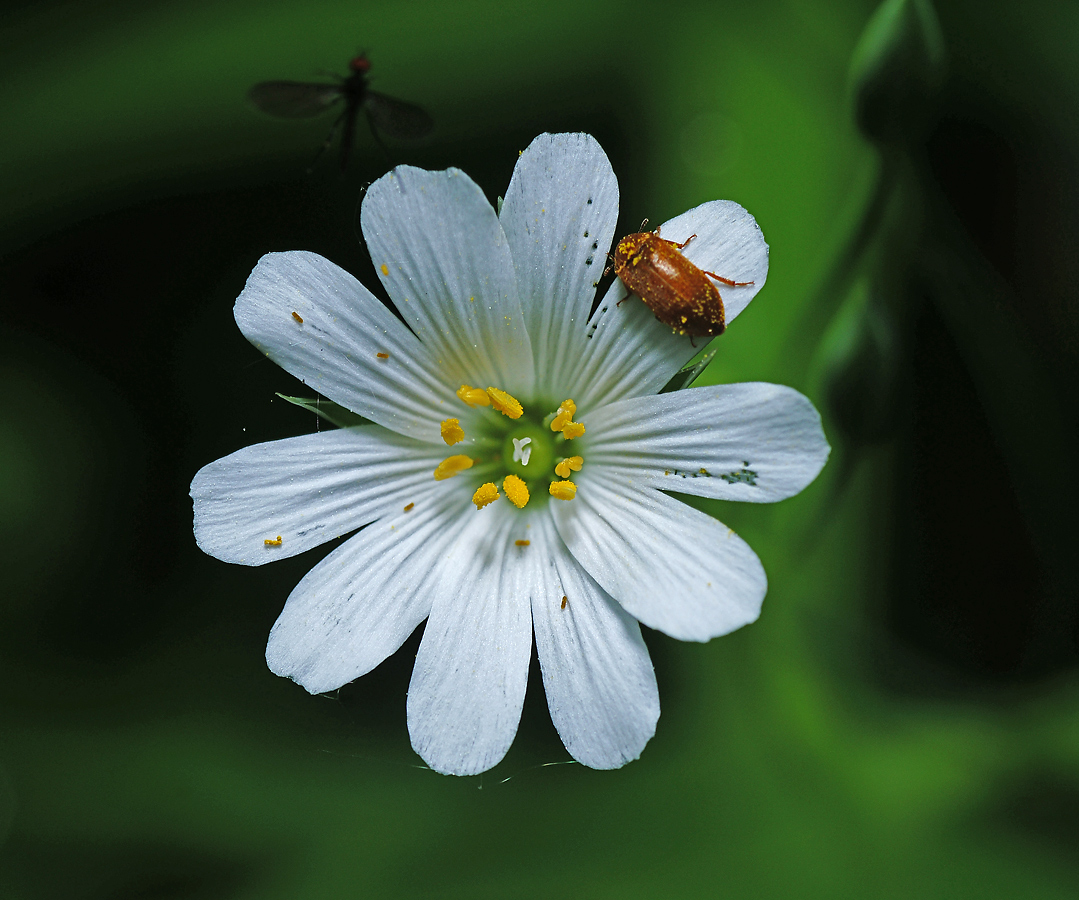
<point x="559" y="217"/>
<point x="754" y="442"/>
<point x="728" y="242"/>
<point x="441" y="253"/>
<point x="305" y="491"/>
<point x="600" y="685"/>
<point x="335" y="349"/>
<point x="468" y="685"/>
<point x="670" y="566"/>
<point x="361" y="602"/>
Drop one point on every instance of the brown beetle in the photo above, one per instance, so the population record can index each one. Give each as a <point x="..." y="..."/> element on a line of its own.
<point x="679" y="293"/>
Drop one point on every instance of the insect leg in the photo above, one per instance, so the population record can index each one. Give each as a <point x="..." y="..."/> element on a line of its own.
<point x="329" y="140"/>
<point x="728" y="281"/>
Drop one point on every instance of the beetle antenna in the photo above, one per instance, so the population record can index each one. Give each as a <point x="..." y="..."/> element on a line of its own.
<point x="643" y="223"/>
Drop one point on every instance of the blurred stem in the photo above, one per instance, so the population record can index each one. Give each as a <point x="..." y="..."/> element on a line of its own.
<point x="834" y="286"/>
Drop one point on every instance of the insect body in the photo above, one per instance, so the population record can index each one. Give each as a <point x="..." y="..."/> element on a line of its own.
<point x="301" y="100"/>
<point x="679" y="293"/>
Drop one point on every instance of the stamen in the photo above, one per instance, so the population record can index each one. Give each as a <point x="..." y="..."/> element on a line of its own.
<point x="563" y="490"/>
<point x="572" y="430"/>
<point x="565" y="466"/>
<point x="473" y="396"/>
<point x="521" y="450"/>
<point x="485" y="494"/>
<point x="516" y="490"/>
<point x="451" y="466"/>
<point x="505" y="403"/>
<point x="564" y="415"/>
<point x="452" y="432"/>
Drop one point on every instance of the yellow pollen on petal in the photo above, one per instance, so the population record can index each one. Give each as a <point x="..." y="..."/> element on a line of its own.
<point x="522" y="543"/>
<point x="505" y="403"/>
<point x="451" y="466"/>
<point x="573" y="464"/>
<point x="563" y="490"/>
<point x="273" y="542"/>
<point x="572" y="430"/>
<point x="485" y="494"/>
<point x="452" y="432"/>
<point x="564" y="415"/>
<point x="516" y="490"/>
<point x="473" y="396"/>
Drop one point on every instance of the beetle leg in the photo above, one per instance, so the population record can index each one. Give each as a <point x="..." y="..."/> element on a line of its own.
<point x="629" y="294"/>
<point x="728" y="281"/>
<point x="675" y="244"/>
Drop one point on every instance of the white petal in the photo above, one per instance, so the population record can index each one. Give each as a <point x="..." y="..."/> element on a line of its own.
<point x="756" y="442"/>
<point x="441" y="253"/>
<point x="306" y="490"/>
<point x="670" y="566"/>
<point x="335" y="349"/>
<point x="600" y="685"/>
<point x="729" y="243"/>
<point x="360" y="603"/>
<point x="468" y="686"/>
<point x="559" y="217"/>
<point x="630" y="354"/>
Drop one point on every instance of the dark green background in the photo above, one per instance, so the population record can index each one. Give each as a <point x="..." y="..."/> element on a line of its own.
<point x="904" y="718"/>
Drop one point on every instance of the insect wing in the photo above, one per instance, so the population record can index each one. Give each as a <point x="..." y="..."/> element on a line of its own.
<point x="395" y="118"/>
<point x="294" y="99"/>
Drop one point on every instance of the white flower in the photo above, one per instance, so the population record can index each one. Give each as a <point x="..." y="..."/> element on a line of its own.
<point x="503" y="302"/>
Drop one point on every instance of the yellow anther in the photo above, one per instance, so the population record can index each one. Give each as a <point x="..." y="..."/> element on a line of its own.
<point x="516" y="490"/>
<point x="564" y="467"/>
<point x="452" y="432"/>
<point x="473" y="396"/>
<point x="485" y="494"/>
<point x="563" y="490"/>
<point x="572" y="430"/>
<point x="504" y="403"/>
<point x="451" y="465"/>
<point x="564" y="415"/>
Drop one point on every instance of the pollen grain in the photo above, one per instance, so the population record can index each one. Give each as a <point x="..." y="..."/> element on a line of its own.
<point x="505" y="403"/>
<point x="473" y="396"/>
<point x="452" y="432"/>
<point x="563" y="490"/>
<point x="516" y="490"/>
<point x="452" y="465"/>
<point x="485" y="495"/>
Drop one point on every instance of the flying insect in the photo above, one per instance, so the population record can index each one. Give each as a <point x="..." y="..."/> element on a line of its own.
<point x="385" y="115"/>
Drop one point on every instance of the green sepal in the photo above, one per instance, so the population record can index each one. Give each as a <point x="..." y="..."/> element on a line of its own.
<point x="685" y="377"/>
<point x="334" y="413"/>
<point x="500" y="202"/>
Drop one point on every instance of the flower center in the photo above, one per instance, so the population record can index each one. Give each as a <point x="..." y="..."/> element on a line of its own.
<point x="528" y="451"/>
<point x="532" y="461"/>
